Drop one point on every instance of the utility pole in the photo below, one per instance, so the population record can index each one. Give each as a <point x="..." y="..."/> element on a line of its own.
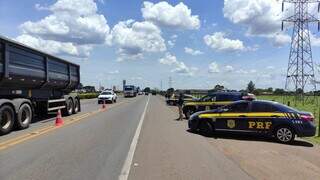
<point x="161" y="85"/>
<point x="300" y="72"/>
<point x="170" y="82"/>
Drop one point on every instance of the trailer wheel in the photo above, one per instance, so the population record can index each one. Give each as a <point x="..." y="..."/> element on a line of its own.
<point x="69" y="107"/>
<point x="6" y="119"/>
<point x="76" y="106"/>
<point x="24" y="116"/>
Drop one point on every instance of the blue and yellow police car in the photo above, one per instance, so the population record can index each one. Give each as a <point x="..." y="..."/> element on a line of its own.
<point x="213" y="101"/>
<point x="255" y="116"/>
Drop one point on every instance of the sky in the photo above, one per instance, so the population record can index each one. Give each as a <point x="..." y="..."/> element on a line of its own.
<point x="197" y="43"/>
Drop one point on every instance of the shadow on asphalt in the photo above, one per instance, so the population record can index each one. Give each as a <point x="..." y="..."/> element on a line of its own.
<point x="251" y="137"/>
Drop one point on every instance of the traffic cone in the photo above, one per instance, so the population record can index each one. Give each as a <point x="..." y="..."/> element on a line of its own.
<point x="59" y="120"/>
<point x="104" y="106"/>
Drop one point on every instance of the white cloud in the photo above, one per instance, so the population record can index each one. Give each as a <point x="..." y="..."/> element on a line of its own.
<point x="55" y="47"/>
<point x="134" y="38"/>
<point x="164" y="14"/>
<point x="192" y="51"/>
<point x="168" y="59"/>
<point x="214" y="68"/>
<point x="229" y="68"/>
<point x="72" y="22"/>
<point x="172" y="42"/>
<point x="114" y="72"/>
<point x="219" y="42"/>
<point x="281" y="39"/>
<point x="270" y="68"/>
<point x="180" y="67"/>
<point x="315" y="41"/>
<point x="261" y="17"/>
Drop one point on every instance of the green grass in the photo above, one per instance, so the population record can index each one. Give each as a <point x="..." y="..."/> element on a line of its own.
<point x="309" y="105"/>
<point x="88" y="95"/>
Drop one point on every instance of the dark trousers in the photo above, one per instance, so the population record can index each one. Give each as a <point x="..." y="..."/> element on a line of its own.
<point x="180" y="113"/>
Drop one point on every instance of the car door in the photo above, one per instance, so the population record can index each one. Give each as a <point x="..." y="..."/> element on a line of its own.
<point x="261" y="116"/>
<point x="233" y="117"/>
<point x="206" y="103"/>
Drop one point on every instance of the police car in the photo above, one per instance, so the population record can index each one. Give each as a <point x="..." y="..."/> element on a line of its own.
<point x="213" y="101"/>
<point x="258" y="117"/>
<point x="173" y="100"/>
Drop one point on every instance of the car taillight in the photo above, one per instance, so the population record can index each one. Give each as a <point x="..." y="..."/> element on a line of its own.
<point x="307" y="118"/>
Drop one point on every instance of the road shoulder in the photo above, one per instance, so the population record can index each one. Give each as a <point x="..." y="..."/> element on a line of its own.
<point x="167" y="151"/>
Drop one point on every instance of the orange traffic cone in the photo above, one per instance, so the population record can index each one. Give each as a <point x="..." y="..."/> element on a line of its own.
<point x="104" y="106"/>
<point x="59" y="120"/>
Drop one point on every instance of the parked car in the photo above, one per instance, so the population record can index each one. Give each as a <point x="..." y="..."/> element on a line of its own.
<point x="172" y="101"/>
<point x="258" y="117"/>
<point x="213" y="101"/>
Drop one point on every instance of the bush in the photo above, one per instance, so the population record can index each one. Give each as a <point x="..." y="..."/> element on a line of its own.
<point x="88" y="95"/>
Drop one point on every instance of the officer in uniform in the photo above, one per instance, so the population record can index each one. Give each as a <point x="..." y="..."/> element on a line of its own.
<point x="180" y="103"/>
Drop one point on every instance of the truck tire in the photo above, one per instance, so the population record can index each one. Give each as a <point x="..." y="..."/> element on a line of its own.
<point x="6" y="119"/>
<point x="24" y="116"/>
<point x="76" y="106"/>
<point x="69" y="108"/>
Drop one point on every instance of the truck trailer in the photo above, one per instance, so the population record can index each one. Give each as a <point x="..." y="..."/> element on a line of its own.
<point x="33" y="83"/>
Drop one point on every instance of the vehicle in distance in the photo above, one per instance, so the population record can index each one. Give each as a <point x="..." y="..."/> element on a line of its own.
<point x="34" y="83"/>
<point x="154" y="92"/>
<point x="130" y="91"/>
<point x="107" y="96"/>
<point x="213" y="101"/>
<point x="175" y="97"/>
<point x="258" y="117"/>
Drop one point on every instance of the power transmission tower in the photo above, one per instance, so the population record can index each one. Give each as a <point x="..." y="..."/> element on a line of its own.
<point x="300" y="72"/>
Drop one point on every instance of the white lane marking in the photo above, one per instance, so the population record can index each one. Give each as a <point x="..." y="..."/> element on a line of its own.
<point x="127" y="164"/>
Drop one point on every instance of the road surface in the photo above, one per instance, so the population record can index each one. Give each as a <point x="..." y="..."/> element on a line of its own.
<point x="138" y="138"/>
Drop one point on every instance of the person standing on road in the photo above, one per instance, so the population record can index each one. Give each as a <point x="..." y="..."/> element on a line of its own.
<point x="180" y="104"/>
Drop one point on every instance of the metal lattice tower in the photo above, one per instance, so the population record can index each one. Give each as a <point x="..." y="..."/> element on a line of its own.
<point x="300" y="72"/>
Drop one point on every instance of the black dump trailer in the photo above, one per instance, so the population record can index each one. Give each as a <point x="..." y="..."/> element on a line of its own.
<point x="34" y="83"/>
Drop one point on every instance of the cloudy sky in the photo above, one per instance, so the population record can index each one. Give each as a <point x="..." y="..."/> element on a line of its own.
<point x="198" y="43"/>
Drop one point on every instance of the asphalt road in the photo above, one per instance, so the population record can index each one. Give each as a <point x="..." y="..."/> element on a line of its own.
<point x="99" y="145"/>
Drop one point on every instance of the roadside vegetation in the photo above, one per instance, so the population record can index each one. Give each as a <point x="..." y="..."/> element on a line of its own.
<point x="88" y="95"/>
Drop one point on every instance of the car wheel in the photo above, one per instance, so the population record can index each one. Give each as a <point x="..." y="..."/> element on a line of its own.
<point x="284" y="134"/>
<point x="24" y="116"/>
<point x="188" y="113"/>
<point x="6" y="119"/>
<point x="205" y="128"/>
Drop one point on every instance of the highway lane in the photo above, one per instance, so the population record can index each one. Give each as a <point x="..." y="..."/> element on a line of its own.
<point x="93" y="148"/>
<point x="87" y="105"/>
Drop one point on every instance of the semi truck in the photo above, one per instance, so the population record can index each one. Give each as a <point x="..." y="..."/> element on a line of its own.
<point x="33" y="83"/>
<point x="129" y="91"/>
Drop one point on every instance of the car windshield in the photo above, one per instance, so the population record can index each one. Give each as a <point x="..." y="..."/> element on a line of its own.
<point x="106" y="93"/>
<point x="128" y="89"/>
